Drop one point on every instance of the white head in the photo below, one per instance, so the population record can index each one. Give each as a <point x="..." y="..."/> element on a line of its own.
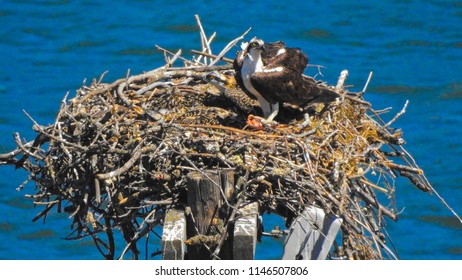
<point x="255" y="46"/>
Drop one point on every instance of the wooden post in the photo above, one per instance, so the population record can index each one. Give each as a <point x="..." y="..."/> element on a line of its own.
<point x="311" y="235"/>
<point x="174" y="235"/>
<point x="227" y="182"/>
<point x="245" y="232"/>
<point x="205" y="200"/>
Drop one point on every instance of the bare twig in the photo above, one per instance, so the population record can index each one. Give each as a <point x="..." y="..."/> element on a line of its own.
<point x="367" y="82"/>
<point x="212" y="56"/>
<point x="397" y="116"/>
<point x="228" y="47"/>
<point x="341" y="81"/>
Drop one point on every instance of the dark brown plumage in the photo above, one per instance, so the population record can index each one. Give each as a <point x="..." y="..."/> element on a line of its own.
<point x="274" y="74"/>
<point x="291" y="87"/>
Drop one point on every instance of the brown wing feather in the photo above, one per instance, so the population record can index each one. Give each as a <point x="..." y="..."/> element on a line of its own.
<point x="291" y="87"/>
<point x="292" y="58"/>
<point x="270" y="51"/>
<point x="277" y="86"/>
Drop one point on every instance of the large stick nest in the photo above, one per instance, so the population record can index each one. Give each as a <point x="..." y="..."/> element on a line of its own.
<point x="118" y="154"/>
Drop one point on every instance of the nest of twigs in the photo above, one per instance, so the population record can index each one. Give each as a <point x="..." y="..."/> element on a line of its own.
<point x="118" y="154"/>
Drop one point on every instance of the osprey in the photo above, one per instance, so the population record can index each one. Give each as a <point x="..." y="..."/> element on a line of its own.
<point x="228" y="88"/>
<point x="273" y="73"/>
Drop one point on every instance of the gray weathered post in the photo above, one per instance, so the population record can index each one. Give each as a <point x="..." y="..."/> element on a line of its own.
<point x="311" y="235"/>
<point x="245" y="232"/>
<point x="174" y="235"/>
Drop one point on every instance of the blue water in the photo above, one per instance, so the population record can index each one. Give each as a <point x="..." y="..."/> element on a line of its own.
<point x="414" y="48"/>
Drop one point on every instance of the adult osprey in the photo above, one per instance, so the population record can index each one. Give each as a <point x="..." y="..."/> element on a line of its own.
<point x="273" y="73"/>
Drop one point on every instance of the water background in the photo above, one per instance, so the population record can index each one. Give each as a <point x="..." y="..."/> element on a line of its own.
<point x="414" y="48"/>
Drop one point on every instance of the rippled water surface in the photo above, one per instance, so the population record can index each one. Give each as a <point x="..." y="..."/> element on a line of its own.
<point x="414" y="48"/>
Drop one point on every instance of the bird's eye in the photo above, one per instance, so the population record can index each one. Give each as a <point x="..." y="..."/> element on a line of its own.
<point x="254" y="44"/>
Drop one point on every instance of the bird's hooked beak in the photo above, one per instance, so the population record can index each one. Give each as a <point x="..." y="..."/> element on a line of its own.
<point x="216" y="77"/>
<point x="258" y="49"/>
<point x="255" y="44"/>
<point x="221" y="78"/>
